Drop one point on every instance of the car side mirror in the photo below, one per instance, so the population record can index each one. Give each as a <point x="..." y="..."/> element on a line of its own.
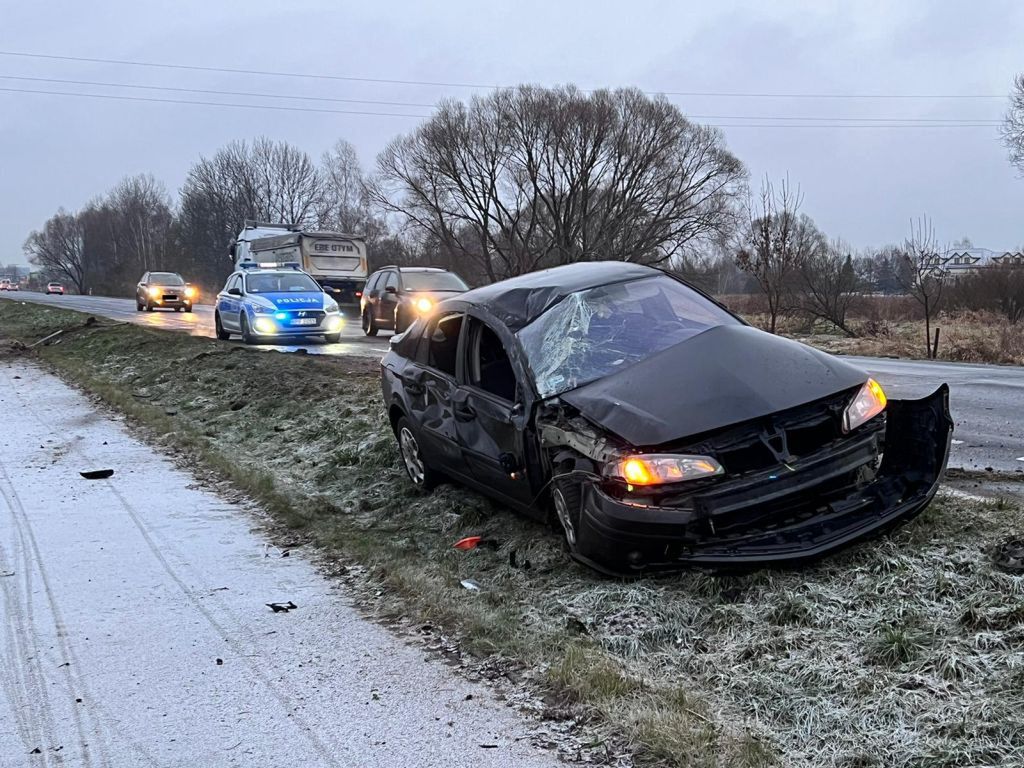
<point x="235" y="291"/>
<point x="390" y="289"/>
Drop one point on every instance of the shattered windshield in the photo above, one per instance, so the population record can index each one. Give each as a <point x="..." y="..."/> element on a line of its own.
<point x="594" y="333"/>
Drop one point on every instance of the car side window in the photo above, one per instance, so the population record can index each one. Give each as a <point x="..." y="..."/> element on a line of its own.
<point x="488" y="364"/>
<point x="392" y="281"/>
<point x="372" y="284"/>
<point x="145" y="278"/>
<point x="441" y="343"/>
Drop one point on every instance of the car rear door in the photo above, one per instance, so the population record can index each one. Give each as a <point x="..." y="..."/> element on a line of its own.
<point x="489" y="414"/>
<point x="429" y="382"/>
<point x="228" y="305"/>
<point x="387" y="297"/>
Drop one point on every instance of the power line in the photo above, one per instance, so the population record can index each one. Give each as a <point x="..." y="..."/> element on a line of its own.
<point x="379" y="80"/>
<point x="214" y="93"/>
<point x="208" y="103"/>
<point x="279" y="108"/>
<point x="431" y="106"/>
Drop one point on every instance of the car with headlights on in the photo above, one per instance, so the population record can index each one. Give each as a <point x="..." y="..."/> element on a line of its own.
<point x="653" y="427"/>
<point x="164" y="290"/>
<point x="275" y="302"/>
<point x="394" y="297"/>
<point x="56" y="288"/>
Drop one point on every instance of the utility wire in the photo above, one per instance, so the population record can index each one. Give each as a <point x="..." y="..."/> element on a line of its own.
<point x="215" y="93"/>
<point x="280" y="108"/>
<point x="724" y="94"/>
<point x="208" y="103"/>
<point x="969" y="122"/>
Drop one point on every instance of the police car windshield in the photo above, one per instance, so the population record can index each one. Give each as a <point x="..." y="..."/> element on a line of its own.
<point x="432" y="281"/>
<point x="165" y="278"/>
<point x="280" y="282"/>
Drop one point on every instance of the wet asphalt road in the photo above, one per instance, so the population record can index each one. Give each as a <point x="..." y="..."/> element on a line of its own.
<point x="987" y="400"/>
<point x="200" y="323"/>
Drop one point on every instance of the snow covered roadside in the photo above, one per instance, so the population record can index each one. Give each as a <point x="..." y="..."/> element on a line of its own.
<point x="134" y="628"/>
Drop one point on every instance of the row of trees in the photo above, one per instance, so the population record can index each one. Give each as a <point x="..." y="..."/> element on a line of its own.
<point x="137" y="227"/>
<point x="503" y="184"/>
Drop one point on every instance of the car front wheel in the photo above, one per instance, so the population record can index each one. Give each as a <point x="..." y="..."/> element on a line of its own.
<point x="416" y="467"/>
<point x="332" y="338"/>
<point x="243" y="325"/>
<point x="369" y="324"/>
<point x="219" y="328"/>
<point x="565" y="496"/>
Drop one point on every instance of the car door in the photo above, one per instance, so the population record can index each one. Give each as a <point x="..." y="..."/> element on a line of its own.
<point x="141" y="289"/>
<point x="489" y="414"/>
<point x="429" y="381"/>
<point x="387" y="299"/>
<point x="228" y="305"/>
<point x="370" y="293"/>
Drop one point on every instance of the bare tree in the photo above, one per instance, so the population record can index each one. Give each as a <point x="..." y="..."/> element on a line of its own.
<point x="775" y="243"/>
<point x="59" y="249"/>
<point x="828" y="283"/>
<point x="1012" y="129"/>
<point x="924" y="275"/>
<point x="531" y="177"/>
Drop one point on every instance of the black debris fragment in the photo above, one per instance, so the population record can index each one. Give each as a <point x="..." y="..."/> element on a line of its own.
<point x="282" y="607"/>
<point x="220" y="662"/>
<point x="97" y="474"/>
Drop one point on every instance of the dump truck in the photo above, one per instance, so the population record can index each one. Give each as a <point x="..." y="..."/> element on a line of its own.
<point x="337" y="261"/>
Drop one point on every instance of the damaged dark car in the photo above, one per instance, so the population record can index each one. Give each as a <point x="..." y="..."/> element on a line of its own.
<point x="653" y="427"/>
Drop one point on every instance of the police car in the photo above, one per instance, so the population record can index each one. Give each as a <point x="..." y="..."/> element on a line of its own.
<point x="266" y="302"/>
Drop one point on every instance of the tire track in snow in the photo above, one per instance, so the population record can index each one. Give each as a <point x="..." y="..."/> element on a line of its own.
<point x="32" y="558"/>
<point x="230" y="638"/>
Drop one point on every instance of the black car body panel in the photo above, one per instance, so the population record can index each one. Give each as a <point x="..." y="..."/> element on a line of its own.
<point x="796" y="483"/>
<point x="725" y="375"/>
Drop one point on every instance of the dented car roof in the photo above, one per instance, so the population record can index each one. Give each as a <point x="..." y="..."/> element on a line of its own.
<point x="519" y="301"/>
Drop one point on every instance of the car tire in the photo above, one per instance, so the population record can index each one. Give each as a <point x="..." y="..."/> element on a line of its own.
<point x="416" y="468"/>
<point x="332" y="338"/>
<point x="188" y="309"/>
<point x="243" y="325"/>
<point x="369" y="324"/>
<point x="566" y="499"/>
<point x="149" y="307"/>
<point x="138" y="307"/>
<point x="221" y="333"/>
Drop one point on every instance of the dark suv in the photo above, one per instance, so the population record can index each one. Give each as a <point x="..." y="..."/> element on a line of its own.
<point x="395" y="296"/>
<point x="164" y="290"/>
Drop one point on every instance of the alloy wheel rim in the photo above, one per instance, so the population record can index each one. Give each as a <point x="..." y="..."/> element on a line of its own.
<point x="562" y="510"/>
<point x="411" y="456"/>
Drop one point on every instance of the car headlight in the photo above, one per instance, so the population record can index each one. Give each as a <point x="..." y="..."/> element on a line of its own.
<point x="423" y="305"/>
<point x="334" y="323"/>
<point x="190" y="292"/>
<point x="869" y="402"/>
<point x="330" y="306"/>
<point x="659" y="469"/>
<point x="260" y="309"/>
<point x="154" y="292"/>
<point x="264" y="325"/>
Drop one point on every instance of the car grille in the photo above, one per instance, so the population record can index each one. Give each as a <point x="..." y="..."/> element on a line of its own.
<point x="296" y="314"/>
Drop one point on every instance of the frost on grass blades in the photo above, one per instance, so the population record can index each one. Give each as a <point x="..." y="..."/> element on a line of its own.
<point x="905" y="651"/>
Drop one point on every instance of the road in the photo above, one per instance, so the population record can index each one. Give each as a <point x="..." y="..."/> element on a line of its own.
<point x="200" y="323"/>
<point x="987" y="400"/>
<point x="134" y="626"/>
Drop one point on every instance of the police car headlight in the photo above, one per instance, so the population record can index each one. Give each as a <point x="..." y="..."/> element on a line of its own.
<point x="264" y="325"/>
<point x="331" y="306"/>
<point x="334" y="323"/>
<point x="260" y="309"/>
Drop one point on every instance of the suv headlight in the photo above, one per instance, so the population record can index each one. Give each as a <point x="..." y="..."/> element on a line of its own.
<point x="659" y="469"/>
<point x="869" y="402"/>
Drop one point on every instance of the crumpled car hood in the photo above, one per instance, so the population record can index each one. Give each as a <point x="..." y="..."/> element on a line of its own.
<point x="724" y="376"/>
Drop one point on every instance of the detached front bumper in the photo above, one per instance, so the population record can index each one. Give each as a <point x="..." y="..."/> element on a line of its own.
<point x="819" y="506"/>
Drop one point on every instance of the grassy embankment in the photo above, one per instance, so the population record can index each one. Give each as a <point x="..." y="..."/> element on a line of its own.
<point x="906" y="651"/>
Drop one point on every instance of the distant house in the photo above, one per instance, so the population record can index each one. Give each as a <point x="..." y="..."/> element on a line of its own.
<point x="964" y="261"/>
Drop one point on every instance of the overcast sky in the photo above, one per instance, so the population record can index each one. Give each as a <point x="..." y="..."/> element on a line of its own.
<point x="861" y="184"/>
